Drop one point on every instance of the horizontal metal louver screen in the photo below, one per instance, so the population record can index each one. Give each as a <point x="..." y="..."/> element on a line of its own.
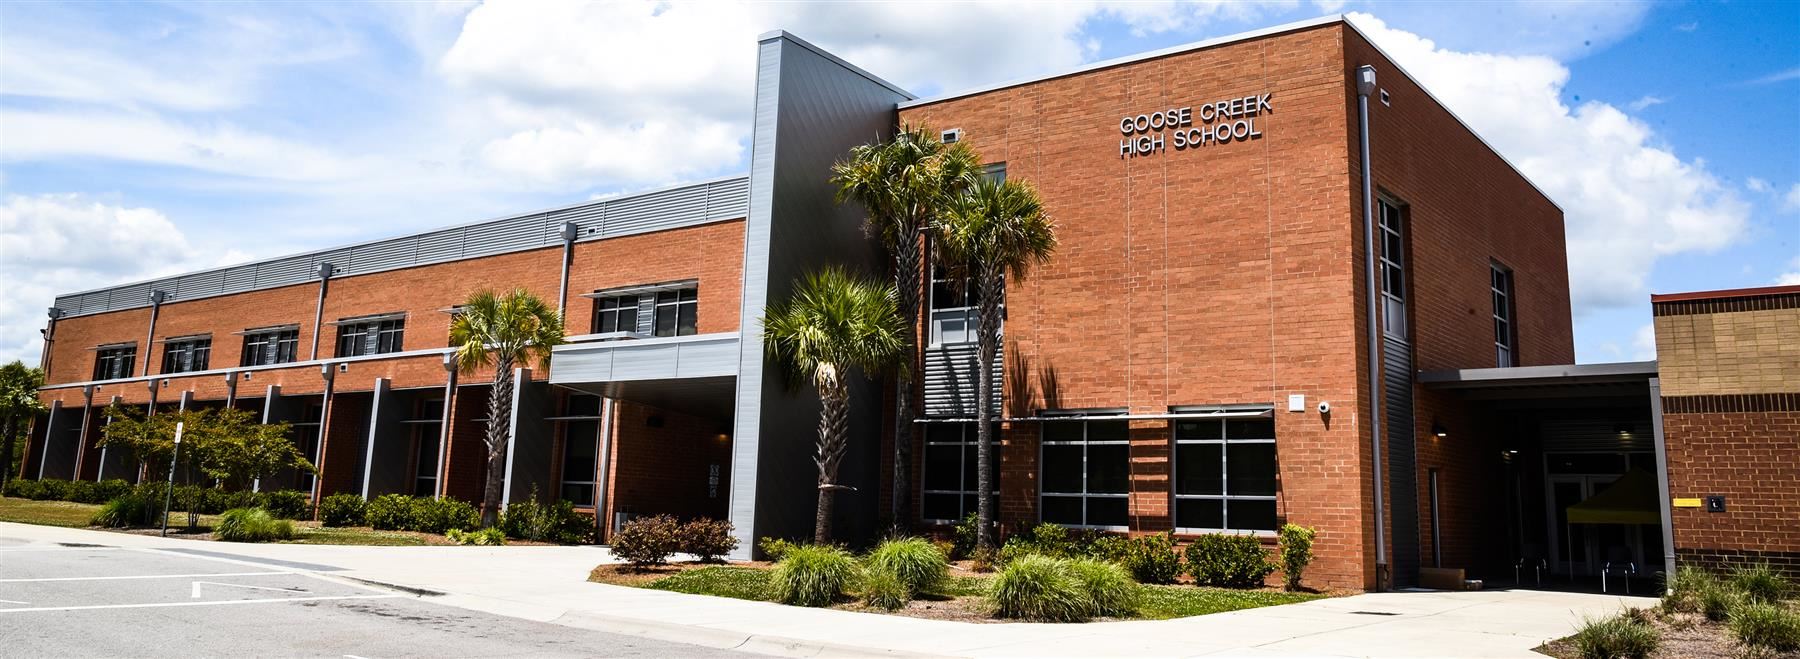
<point x="950" y="380"/>
<point x="603" y="218"/>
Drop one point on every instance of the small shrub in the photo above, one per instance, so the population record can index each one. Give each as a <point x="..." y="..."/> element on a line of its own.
<point x="707" y="539"/>
<point x="251" y="525"/>
<point x="441" y="515"/>
<point x="1108" y="586"/>
<point x="110" y="489"/>
<point x="1718" y="602"/>
<point x="965" y="535"/>
<point x="83" y="492"/>
<point x="1766" y="626"/>
<point x="1037" y="587"/>
<point x="883" y="589"/>
<point x="1296" y="553"/>
<point x="1617" y="637"/>
<point x="286" y="504"/>
<point x="1051" y="540"/>
<point x="946" y="547"/>
<point x="51" y="489"/>
<point x="1150" y="559"/>
<point x="813" y="575"/>
<point x="984" y="560"/>
<point x="775" y="548"/>
<point x="343" y="509"/>
<point x="914" y="561"/>
<point x="1759" y="583"/>
<point x="24" y="489"/>
<point x="648" y="540"/>
<point x="389" y="512"/>
<point x="486" y="537"/>
<point x="1232" y="561"/>
<point x="127" y="510"/>
<point x="546" y="522"/>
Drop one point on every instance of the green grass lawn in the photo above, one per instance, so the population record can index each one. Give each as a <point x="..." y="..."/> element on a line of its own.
<point x="77" y="515"/>
<point x="1158" y="603"/>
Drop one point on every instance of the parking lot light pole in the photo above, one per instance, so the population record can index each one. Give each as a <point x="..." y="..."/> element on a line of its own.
<point x="169" y="494"/>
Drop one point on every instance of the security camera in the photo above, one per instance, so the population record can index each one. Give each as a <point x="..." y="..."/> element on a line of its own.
<point x="1324" y="407"/>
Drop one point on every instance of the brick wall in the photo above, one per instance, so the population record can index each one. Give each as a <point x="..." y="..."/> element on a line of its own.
<point x="664" y="470"/>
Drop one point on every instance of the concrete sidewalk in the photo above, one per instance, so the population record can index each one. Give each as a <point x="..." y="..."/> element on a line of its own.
<point x="549" y="584"/>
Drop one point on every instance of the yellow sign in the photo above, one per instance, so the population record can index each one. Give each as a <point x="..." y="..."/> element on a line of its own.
<point x="1688" y="503"/>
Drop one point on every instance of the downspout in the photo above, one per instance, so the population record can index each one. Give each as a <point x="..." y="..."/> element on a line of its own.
<point x="231" y="389"/>
<point x="156" y="300"/>
<point x="325" y="270"/>
<point x="443" y="464"/>
<point x="1662" y="475"/>
<point x="1365" y="85"/>
<point x="49" y="340"/>
<point x="87" y="412"/>
<point x="569" y="230"/>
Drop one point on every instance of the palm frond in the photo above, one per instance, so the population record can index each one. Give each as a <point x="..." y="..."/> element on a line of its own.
<point x="517" y="325"/>
<point x="834" y="320"/>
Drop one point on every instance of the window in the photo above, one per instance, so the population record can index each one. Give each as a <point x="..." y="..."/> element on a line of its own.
<point x="951" y="471"/>
<point x="427" y="433"/>
<point x="955" y="308"/>
<point x="273" y="345"/>
<point x="581" y="445"/>
<point x="305" y="433"/>
<point x="114" y="361"/>
<point x="1085" y="473"/>
<point x="1393" y="270"/>
<point x="676" y="312"/>
<point x="370" y="337"/>
<point x="1225" y="475"/>
<point x="1505" y="334"/>
<point x="615" y="314"/>
<point x="187" y="354"/>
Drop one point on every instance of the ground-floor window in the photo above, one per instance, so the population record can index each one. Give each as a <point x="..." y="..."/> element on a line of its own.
<point x="1225" y="475"/>
<point x="580" y="442"/>
<point x="1085" y="473"/>
<point x="305" y="433"/>
<point x="951" y="471"/>
<point x="427" y="434"/>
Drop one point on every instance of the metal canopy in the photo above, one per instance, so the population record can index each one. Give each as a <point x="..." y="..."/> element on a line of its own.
<point x="1629" y="373"/>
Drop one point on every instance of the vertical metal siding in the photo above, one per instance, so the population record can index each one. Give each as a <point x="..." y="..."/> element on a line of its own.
<point x="949" y="380"/>
<point x="1402" y="458"/>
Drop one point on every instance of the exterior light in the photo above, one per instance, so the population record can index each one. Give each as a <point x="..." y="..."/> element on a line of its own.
<point x="1438" y="429"/>
<point x="1624" y="429"/>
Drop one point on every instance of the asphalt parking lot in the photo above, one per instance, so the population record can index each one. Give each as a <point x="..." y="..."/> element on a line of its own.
<point x="88" y="601"/>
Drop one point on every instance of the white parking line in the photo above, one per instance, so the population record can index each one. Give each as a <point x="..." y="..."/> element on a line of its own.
<point x="140" y="576"/>
<point x="196" y="591"/>
<point x="206" y="603"/>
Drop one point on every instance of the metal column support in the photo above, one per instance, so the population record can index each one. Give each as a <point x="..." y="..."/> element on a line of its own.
<point x="378" y="398"/>
<point x="49" y="430"/>
<point x="81" y="441"/>
<point x="328" y="372"/>
<point x="1662" y="477"/>
<point x="443" y="465"/>
<point x="521" y="377"/>
<point x="272" y="393"/>
<point x="603" y="466"/>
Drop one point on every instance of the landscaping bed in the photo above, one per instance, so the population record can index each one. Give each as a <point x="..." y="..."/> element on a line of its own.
<point x="1748" y="613"/>
<point x="78" y="515"/>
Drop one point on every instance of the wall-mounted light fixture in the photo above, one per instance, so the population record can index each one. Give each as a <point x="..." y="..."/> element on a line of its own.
<point x="1438" y="429"/>
<point x="1624" y="430"/>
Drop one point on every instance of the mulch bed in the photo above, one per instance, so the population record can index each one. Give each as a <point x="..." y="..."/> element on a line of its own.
<point x="1684" y="636"/>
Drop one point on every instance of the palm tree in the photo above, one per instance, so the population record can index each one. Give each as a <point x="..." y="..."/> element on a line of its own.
<point x="998" y="229"/>
<point x="502" y="331"/>
<point x="18" y="400"/>
<point x="834" y="322"/>
<point x="902" y="185"/>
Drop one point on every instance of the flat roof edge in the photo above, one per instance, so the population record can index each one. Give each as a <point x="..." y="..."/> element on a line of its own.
<point x="1502" y="375"/>
<point x="784" y="34"/>
<point x="1129" y="59"/>
<point x="1725" y="294"/>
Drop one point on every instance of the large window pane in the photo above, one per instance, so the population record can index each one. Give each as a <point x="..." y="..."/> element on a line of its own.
<point x="1198" y="429"/>
<point x="1108" y="431"/>
<point x="942" y="506"/>
<point x="1200" y="514"/>
<point x="1062" y="510"/>
<point x="1250" y="469"/>
<point x="1108" y="468"/>
<point x="1198" y="469"/>
<point x="1251" y="514"/>
<point x="1062" y="469"/>
<point x="943" y="467"/>
<point x="1108" y="511"/>
<point x="1250" y="429"/>
<point x="951" y="466"/>
<point x="1063" y="431"/>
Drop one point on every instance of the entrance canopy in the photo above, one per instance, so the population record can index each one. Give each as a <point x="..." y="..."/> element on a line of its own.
<point x="693" y="374"/>
<point x="1630" y="500"/>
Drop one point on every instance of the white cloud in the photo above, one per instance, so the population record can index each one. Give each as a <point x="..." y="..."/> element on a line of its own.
<point x="1643" y="343"/>
<point x="220" y="148"/>
<point x="1627" y="199"/>
<point x="60" y="243"/>
<point x="1755" y="184"/>
<point x="1790" y="201"/>
<point x="1689" y="26"/>
<point x="1646" y="101"/>
<point x="1778" y="76"/>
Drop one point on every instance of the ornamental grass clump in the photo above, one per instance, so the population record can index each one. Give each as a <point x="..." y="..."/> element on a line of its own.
<point x="917" y="563"/>
<point x="1759" y="584"/>
<point x="1719" y="601"/>
<point x="1622" y="636"/>
<point x="1108" y="587"/>
<point x="1685" y="587"/>
<point x="885" y="590"/>
<point x="813" y="575"/>
<point x="1037" y="587"/>
<point x="1766" y="627"/>
<point x="125" y="510"/>
<point x="251" y="525"/>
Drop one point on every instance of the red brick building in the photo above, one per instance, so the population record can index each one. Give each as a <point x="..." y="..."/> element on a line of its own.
<point x="1248" y="322"/>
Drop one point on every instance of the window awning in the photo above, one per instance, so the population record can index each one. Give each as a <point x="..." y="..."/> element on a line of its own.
<point x="1177" y="412"/>
<point x="398" y="315"/>
<point x="262" y="330"/>
<point x="185" y="337"/>
<point x="645" y="288"/>
<point x="109" y="346"/>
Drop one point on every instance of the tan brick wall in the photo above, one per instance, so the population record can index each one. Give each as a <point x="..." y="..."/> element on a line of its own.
<point x="1742" y="352"/>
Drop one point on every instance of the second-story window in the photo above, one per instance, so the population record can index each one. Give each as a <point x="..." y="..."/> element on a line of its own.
<point x="370" y="336"/>
<point x="270" y="345"/>
<point x="112" y="362"/>
<point x="1393" y="269"/>
<point x="1505" y="334"/>
<point x="186" y="354"/>
<point x="955" y="308"/>
<point x="617" y="313"/>
<point x="676" y="312"/>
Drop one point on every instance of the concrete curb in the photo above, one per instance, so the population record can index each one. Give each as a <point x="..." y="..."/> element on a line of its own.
<point x="766" y="644"/>
<point x="422" y="592"/>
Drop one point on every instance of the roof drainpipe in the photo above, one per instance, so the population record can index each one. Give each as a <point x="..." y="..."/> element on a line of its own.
<point x="49" y="339"/>
<point x="569" y="231"/>
<point x="156" y="300"/>
<point x="1365" y="85"/>
<point x="325" y="270"/>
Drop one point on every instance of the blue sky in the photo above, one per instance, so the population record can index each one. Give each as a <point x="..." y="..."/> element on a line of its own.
<point x="139" y="140"/>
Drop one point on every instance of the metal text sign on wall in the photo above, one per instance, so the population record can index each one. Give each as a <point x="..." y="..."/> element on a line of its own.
<point x="1220" y="122"/>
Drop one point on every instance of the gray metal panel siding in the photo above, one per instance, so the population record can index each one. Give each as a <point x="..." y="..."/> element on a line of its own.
<point x="618" y="361"/>
<point x="810" y="110"/>
<point x="1402" y="460"/>
<point x="708" y="359"/>
<point x="949" y="380"/>
<point x="659" y="210"/>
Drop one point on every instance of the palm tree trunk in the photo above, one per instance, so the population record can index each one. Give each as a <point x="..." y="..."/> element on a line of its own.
<point x="834" y="429"/>
<point x="906" y="282"/>
<point x="988" y="339"/>
<point x="499" y="409"/>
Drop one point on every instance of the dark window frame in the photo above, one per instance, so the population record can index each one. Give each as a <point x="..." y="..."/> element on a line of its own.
<point x="115" y="362"/>
<point x="268" y="347"/>
<point x="359" y="338"/>
<point x="1087" y="493"/>
<point x="572" y="422"/>
<point x="186" y="355"/>
<point x="1505" y="314"/>
<point x="967" y="442"/>
<point x="1180" y="436"/>
<point x="1391" y="241"/>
